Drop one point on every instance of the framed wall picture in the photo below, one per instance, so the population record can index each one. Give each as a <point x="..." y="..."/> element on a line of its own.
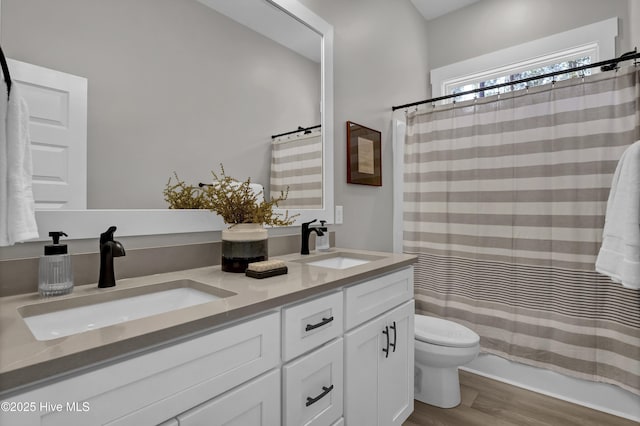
<point x="364" y="155"/>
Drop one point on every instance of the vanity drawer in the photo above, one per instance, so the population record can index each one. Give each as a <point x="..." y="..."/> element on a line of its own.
<point x="256" y="403"/>
<point x="313" y="387"/>
<point x="371" y="298"/>
<point x="310" y="324"/>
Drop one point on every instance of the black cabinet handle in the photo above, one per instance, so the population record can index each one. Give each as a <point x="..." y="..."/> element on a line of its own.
<point x="395" y="336"/>
<point x="386" y="350"/>
<point x="325" y="391"/>
<point x="324" y="321"/>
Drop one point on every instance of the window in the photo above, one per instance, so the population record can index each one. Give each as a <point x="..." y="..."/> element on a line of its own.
<point x="558" y="66"/>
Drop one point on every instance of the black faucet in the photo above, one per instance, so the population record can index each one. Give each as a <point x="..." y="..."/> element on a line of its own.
<point x="306" y="232"/>
<point x="108" y="250"/>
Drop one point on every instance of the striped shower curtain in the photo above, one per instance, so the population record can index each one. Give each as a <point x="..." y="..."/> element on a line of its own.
<point x="504" y="205"/>
<point x="296" y="166"/>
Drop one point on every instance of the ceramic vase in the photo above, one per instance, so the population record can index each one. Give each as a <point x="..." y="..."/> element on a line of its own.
<point x="242" y="244"/>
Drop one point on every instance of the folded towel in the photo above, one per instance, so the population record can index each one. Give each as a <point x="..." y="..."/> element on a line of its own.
<point x="619" y="256"/>
<point x="17" y="206"/>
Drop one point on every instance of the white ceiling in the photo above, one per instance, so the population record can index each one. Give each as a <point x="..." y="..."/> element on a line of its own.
<point x="431" y="9"/>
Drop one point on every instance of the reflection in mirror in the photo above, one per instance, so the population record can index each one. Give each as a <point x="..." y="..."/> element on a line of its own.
<point x="175" y="86"/>
<point x="296" y="168"/>
<point x="172" y="86"/>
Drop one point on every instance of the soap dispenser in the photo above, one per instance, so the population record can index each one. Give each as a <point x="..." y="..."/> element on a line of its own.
<point x="55" y="275"/>
<point x="322" y="241"/>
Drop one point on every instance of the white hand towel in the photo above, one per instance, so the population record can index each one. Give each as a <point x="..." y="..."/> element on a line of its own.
<point x="619" y="256"/>
<point x="17" y="206"/>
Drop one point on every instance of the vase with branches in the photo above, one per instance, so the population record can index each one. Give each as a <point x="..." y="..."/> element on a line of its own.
<point x="245" y="211"/>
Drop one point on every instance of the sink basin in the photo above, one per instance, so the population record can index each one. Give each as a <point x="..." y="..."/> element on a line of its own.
<point x="339" y="260"/>
<point x="65" y="317"/>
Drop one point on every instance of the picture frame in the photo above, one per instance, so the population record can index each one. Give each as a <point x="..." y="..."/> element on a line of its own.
<point x="364" y="155"/>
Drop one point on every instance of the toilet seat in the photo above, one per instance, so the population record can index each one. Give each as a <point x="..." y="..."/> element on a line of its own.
<point x="442" y="332"/>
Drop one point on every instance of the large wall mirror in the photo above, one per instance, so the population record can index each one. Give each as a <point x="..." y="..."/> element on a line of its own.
<point x="178" y="86"/>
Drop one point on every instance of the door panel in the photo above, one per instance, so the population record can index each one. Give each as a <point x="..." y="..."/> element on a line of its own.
<point x="57" y="104"/>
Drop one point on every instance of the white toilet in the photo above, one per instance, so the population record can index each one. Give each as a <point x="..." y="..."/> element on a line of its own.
<point x="441" y="346"/>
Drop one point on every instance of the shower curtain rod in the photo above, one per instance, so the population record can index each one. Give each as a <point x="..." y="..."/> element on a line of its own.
<point x="607" y="65"/>
<point x="300" y="129"/>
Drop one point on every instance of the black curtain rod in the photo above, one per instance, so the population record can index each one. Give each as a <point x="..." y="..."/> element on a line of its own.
<point x="608" y="65"/>
<point x="300" y="129"/>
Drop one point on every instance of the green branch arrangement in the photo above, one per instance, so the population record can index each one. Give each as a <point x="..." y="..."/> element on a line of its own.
<point x="235" y="201"/>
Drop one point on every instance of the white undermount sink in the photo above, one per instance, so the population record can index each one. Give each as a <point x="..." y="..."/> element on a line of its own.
<point x="65" y="317"/>
<point x="339" y="260"/>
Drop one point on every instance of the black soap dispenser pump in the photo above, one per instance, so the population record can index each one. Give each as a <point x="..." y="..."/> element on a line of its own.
<point x="55" y="274"/>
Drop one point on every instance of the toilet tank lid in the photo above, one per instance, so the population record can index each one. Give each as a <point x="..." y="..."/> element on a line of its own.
<point x="444" y="332"/>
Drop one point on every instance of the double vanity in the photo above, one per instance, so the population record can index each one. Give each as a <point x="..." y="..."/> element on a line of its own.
<point x="330" y="342"/>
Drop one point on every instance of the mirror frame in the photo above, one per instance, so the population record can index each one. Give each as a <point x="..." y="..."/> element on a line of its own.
<point x="81" y="224"/>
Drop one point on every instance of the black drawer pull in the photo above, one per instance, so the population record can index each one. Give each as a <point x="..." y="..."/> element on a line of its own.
<point x="386" y="333"/>
<point x="395" y="336"/>
<point x="324" y="321"/>
<point x="325" y="391"/>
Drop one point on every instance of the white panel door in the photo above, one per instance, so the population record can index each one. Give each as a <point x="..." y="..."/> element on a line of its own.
<point x="58" y="126"/>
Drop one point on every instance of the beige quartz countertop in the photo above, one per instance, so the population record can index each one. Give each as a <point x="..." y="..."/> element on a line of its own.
<point x="26" y="361"/>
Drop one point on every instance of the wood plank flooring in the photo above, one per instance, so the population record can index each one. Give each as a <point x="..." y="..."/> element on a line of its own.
<point x="487" y="402"/>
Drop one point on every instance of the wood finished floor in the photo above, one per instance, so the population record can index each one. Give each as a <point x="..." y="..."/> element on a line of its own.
<point x="487" y="402"/>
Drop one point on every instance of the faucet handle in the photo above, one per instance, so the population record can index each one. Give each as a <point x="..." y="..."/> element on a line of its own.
<point x="308" y="223"/>
<point x="107" y="235"/>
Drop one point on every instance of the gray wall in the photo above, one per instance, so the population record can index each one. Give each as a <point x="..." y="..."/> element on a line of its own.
<point x="491" y="25"/>
<point x="380" y="60"/>
<point x="173" y="85"/>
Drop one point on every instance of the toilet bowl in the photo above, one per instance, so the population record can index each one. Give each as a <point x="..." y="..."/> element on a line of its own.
<point x="441" y="346"/>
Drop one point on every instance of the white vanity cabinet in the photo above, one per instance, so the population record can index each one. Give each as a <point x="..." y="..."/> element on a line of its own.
<point x="344" y="357"/>
<point x="379" y="352"/>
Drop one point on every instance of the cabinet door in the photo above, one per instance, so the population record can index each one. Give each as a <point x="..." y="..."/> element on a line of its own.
<point x="379" y="369"/>
<point x="256" y="403"/>
<point x="395" y="398"/>
<point x="363" y="355"/>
